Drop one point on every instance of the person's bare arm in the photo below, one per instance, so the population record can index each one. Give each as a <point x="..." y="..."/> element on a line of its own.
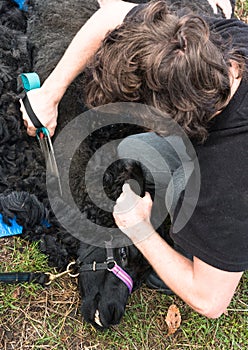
<point x="224" y="5"/>
<point x="45" y="100"/>
<point x="206" y="289"/>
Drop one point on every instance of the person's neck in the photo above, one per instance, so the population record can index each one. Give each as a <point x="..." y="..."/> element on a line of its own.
<point x="235" y="78"/>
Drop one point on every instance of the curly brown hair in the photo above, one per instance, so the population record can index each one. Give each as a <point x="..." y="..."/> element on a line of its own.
<point x="166" y="61"/>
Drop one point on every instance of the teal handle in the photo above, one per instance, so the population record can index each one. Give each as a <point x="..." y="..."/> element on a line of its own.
<point x="30" y="81"/>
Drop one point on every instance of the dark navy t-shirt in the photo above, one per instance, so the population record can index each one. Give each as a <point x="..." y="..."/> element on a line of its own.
<point x="217" y="232"/>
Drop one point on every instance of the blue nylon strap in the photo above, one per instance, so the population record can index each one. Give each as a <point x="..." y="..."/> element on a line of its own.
<point x="14" y="277"/>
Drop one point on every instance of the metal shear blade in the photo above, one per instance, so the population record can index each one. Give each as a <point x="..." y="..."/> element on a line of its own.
<point x="48" y="151"/>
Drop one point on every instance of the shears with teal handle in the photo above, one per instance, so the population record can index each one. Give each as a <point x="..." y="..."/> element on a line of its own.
<point x="31" y="81"/>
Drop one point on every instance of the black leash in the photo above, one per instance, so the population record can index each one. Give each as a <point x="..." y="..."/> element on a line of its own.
<point x="22" y="277"/>
<point x="42" y="278"/>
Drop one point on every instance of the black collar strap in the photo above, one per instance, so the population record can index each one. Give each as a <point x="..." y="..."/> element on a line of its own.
<point x="109" y="265"/>
<point x="95" y="266"/>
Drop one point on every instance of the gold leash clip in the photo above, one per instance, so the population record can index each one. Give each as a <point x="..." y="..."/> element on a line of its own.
<point x="68" y="271"/>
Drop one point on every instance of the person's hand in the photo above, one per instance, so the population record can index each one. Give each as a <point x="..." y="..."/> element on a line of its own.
<point x="45" y="108"/>
<point x="224" y="5"/>
<point x="132" y="214"/>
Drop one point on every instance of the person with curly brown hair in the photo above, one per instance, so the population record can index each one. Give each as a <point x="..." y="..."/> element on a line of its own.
<point x="45" y="100"/>
<point x="195" y="70"/>
<point x="192" y="69"/>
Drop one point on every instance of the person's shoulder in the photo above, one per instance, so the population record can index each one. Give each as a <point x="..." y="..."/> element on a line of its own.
<point x="232" y="31"/>
<point x="134" y="12"/>
<point x="221" y="24"/>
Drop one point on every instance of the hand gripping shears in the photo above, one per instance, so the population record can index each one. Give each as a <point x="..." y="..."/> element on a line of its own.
<point x="32" y="81"/>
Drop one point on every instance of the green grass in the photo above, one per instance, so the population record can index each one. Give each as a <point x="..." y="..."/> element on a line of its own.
<point x="34" y="260"/>
<point x="242" y="10"/>
<point x="32" y="317"/>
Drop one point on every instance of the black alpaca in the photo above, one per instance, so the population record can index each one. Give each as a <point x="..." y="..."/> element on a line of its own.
<point x="95" y="287"/>
<point x="23" y="176"/>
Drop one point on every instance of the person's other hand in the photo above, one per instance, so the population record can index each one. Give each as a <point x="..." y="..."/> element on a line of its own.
<point x="106" y="2"/>
<point x="45" y="109"/>
<point x="132" y="214"/>
<point x="224" y="5"/>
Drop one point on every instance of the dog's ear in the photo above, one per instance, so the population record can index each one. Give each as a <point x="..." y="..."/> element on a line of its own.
<point x="136" y="177"/>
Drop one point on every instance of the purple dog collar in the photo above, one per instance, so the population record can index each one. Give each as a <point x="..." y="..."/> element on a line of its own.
<point x="123" y="276"/>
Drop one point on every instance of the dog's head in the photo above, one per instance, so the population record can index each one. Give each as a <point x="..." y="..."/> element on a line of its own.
<point x="104" y="293"/>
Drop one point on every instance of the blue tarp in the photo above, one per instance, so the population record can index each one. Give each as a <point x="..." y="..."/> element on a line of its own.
<point x="15" y="228"/>
<point x="20" y="3"/>
<point x="12" y="230"/>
